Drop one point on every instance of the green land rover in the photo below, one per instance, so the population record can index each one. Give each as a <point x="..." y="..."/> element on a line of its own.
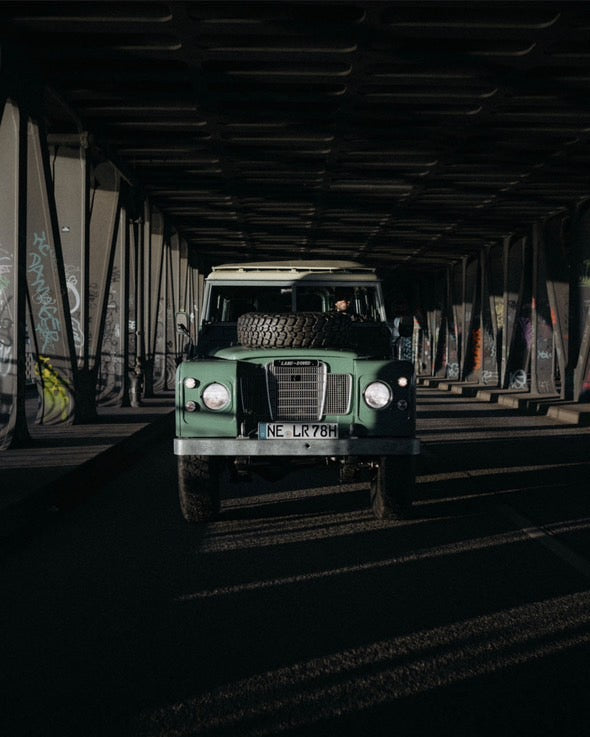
<point x="294" y="360"/>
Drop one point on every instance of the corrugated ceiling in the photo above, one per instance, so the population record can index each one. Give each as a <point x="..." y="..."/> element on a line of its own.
<point x="396" y="133"/>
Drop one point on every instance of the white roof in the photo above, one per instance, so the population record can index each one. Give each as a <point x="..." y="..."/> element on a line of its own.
<point x="293" y="270"/>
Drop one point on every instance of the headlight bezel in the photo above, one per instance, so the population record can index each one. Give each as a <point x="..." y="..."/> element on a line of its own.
<point x="372" y="389"/>
<point x="206" y="396"/>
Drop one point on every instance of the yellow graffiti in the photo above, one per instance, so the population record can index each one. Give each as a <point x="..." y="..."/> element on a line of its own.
<point x="499" y="305"/>
<point x="56" y="392"/>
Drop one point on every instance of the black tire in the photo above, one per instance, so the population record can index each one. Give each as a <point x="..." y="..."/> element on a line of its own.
<point x="198" y="487"/>
<point x="294" y="330"/>
<point x="392" y="487"/>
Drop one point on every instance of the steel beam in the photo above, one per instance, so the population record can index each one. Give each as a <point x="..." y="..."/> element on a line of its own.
<point x="13" y="170"/>
<point x="455" y="288"/>
<point x="581" y="274"/>
<point x="171" y="279"/>
<point x="70" y="172"/>
<point x="558" y="290"/>
<point x="471" y="359"/>
<point x="112" y="379"/>
<point x="514" y="350"/>
<point x="542" y="349"/>
<point x="160" y="318"/>
<point x="488" y="373"/>
<point x="49" y="309"/>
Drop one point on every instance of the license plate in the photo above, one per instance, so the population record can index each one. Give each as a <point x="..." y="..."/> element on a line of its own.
<point x="297" y="430"/>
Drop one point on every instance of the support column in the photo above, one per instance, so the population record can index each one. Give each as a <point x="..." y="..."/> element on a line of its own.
<point x="71" y="186"/>
<point x="170" y="269"/>
<point x="489" y="356"/>
<point x="112" y="374"/>
<point x="455" y="279"/>
<point x="50" y="316"/>
<point x="176" y="274"/>
<point x="581" y="274"/>
<point x="13" y="171"/>
<point x="542" y="349"/>
<point x="518" y="324"/>
<point x="557" y="259"/>
<point x="105" y="207"/>
<point x="158" y="333"/>
<point x="135" y="334"/>
<point x="496" y="302"/>
<point x="440" y="326"/>
<point x="471" y="322"/>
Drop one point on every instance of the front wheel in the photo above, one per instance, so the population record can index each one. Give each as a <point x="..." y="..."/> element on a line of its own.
<point x="392" y="487"/>
<point x="198" y="487"/>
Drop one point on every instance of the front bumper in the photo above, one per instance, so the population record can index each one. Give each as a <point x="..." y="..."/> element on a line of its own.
<point x="296" y="447"/>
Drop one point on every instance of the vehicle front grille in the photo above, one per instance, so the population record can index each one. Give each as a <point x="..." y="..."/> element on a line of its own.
<point x="338" y="394"/>
<point x="301" y="390"/>
<point x="297" y="389"/>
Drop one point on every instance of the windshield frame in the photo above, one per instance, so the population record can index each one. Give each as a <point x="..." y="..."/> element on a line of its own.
<point x="295" y="285"/>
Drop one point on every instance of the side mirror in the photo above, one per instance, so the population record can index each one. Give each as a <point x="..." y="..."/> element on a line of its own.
<point x="182" y="323"/>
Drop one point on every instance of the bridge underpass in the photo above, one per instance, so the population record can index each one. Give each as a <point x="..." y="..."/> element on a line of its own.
<point x="143" y="142"/>
<point x="140" y="143"/>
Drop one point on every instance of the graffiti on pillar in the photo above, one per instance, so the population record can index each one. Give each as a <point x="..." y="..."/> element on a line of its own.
<point x="477" y="349"/>
<point x="160" y="352"/>
<point x="544" y="350"/>
<point x="47" y="321"/>
<point x="405" y="349"/>
<point x="56" y="391"/>
<point x="6" y="315"/>
<point x="525" y="325"/>
<point x="518" y="380"/>
<point x="488" y="377"/>
<point x="453" y="370"/>
<point x="499" y="309"/>
<point x="73" y="282"/>
<point x="93" y="315"/>
<point x="489" y="345"/>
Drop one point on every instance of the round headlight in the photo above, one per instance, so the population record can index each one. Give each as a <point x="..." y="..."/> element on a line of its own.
<point x="190" y="382"/>
<point x="377" y="395"/>
<point x="216" y="396"/>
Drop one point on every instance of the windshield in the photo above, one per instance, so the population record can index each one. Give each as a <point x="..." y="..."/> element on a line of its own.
<point x="227" y="303"/>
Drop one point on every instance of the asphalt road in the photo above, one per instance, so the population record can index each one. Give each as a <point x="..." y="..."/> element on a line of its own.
<point x="297" y="613"/>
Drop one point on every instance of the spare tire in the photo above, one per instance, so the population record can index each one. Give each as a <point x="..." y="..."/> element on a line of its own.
<point x="294" y="330"/>
<point x="371" y="339"/>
